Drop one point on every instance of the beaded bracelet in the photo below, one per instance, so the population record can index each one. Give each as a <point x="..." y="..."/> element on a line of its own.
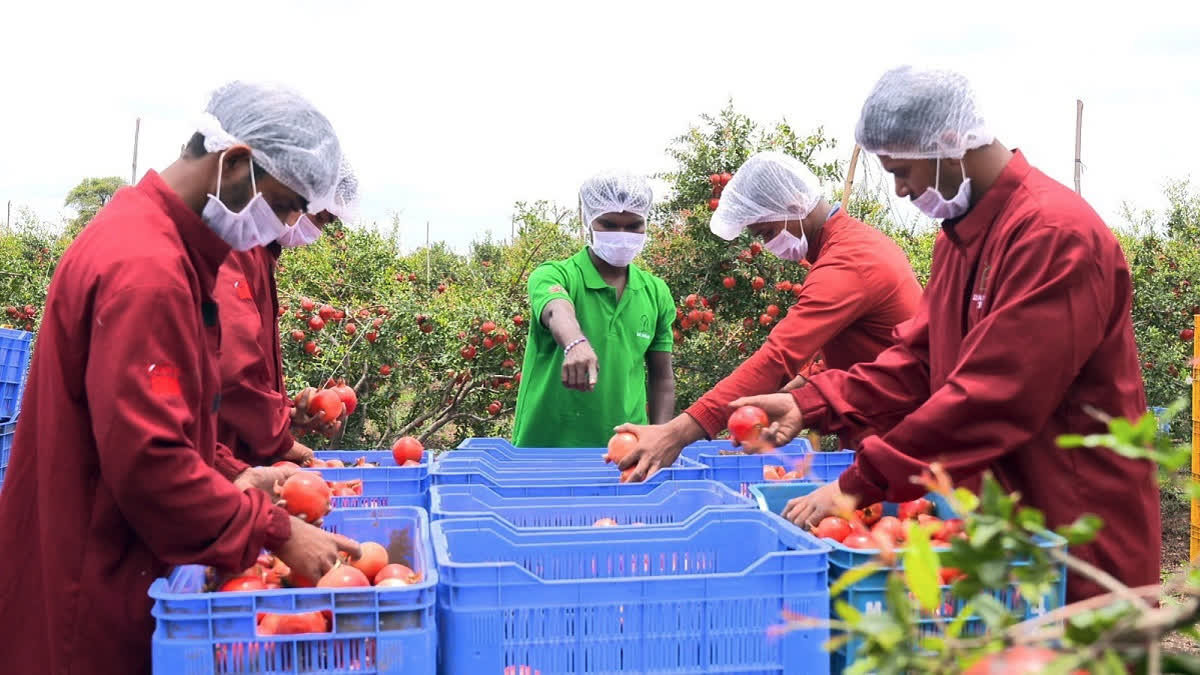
<point x="567" y="349"/>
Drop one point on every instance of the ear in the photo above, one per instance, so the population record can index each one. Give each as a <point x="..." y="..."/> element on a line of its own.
<point x="235" y="155"/>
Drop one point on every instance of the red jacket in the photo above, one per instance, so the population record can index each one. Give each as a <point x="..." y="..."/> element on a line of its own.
<point x="111" y="479"/>
<point x="1025" y="322"/>
<point x="255" y="418"/>
<point x="860" y="287"/>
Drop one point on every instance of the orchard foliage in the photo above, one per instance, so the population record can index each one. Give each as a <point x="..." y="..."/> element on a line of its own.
<point x="422" y="364"/>
<point x="1163" y="249"/>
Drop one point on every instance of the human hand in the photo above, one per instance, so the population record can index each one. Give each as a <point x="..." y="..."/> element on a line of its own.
<point x="264" y="478"/>
<point x="658" y="446"/>
<point x="580" y="368"/>
<point x="311" y="552"/>
<point x="807" y="511"/>
<point x="783" y="413"/>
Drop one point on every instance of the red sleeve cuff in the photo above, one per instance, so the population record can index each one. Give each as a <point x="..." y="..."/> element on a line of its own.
<point x="279" y="529"/>
<point x="813" y="406"/>
<point x="712" y="423"/>
<point x="853" y="482"/>
<point x="228" y="465"/>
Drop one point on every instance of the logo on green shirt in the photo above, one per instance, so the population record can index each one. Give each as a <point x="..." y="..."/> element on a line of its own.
<point x="644" y="329"/>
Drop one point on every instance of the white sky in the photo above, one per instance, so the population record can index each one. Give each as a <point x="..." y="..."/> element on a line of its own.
<point x="453" y="111"/>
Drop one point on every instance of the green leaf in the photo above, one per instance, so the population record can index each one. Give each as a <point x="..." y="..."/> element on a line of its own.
<point x="954" y="630"/>
<point x="921" y="568"/>
<point x="853" y="576"/>
<point x="994" y="614"/>
<point x="860" y="667"/>
<point x="993" y="573"/>
<point x="967" y="501"/>
<point x="898" y="603"/>
<point x="984" y="532"/>
<point x="1147" y="427"/>
<point x="1176" y="458"/>
<point x="1070" y="441"/>
<point x="1031" y="519"/>
<point x="847" y="612"/>
<point x="933" y="643"/>
<point x="836" y="642"/>
<point x="1113" y="662"/>
<point x="1081" y="531"/>
<point x="1190" y="631"/>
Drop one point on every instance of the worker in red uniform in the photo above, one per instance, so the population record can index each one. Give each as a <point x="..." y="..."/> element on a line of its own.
<point x="1025" y="326"/>
<point x="257" y="417"/>
<point x="112" y="477"/>
<point x="860" y="286"/>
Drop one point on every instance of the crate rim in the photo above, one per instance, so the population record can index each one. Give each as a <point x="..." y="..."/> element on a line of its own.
<point x="814" y="547"/>
<point x="162" y="584"/>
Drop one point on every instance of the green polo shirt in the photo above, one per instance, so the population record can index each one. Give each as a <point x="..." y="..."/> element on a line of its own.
<point x="620" y="332"/>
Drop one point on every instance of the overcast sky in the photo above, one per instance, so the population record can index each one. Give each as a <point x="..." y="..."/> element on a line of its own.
<point x="453" y="111"/>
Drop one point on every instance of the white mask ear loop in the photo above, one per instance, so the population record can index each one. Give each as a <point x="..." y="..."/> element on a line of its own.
<point x="220" y="168"/>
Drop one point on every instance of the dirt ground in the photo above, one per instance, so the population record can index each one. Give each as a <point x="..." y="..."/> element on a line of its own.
<point x="1176" y="517"/>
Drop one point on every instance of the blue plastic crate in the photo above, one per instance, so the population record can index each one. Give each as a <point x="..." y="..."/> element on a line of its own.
<point x="7" y="431"/>
<point x="384" y="630"/>
<point x="529" y="455"/>
<point x="501" y="449"/>
<point x="710" y="447"/>
<point x="15" y="346"/>
<point x="667" y="503"/>
<point x="1164" y="426"/>
<point x="349" y="457"/>
<point x="869" y="594"/>
<point x="481" y="471"/>
<point x="694" y="599"/>
<point x="487" y="443"/>
<point x="568" y="491"/>
<point x="387" y="485"/>
<point x="740" y="471"/>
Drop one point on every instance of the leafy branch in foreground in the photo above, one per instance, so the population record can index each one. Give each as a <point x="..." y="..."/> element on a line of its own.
<point x="1001" y="611"/>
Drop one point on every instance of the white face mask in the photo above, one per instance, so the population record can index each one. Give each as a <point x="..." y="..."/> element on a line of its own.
<point x="618" y="248"/>
<point x="302" y="233"/>
<point x="788" y="246"/>
<point x="254" y="225"/>
<point x="934" y="205"/>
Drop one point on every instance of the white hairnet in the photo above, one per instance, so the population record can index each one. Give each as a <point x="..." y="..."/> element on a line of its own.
<point x="342" y="201"/>
<point x="921" y="114"/>
<point x="287" y="136"/>
<point x="770" y="186"/>
<point x="345" y="194"/>
<point x="614" y="192"/>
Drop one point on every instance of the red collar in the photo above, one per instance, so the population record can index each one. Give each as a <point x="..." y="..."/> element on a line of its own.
<point x="966" y="230"/>
<point x="832" y="225"/>
<point x="198" y="237"/>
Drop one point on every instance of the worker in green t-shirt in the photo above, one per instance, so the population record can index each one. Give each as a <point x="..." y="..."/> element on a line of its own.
<point x="601" y="345"/>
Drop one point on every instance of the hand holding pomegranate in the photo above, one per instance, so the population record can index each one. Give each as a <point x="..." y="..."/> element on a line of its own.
<point x="311" y="552"/>
<point x="264" y="477"/>
<point x="782" y="412"/>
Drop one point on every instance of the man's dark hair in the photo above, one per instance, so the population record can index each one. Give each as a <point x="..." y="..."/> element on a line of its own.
<point x="195" y="146"/>
<point x="195" y="149"/>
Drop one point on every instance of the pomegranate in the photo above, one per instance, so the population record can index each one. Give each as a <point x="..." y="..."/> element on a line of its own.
<point x="307" y="496"/>
<point x="406" y="449"/>
<point x="374" y="558"/>
<point x="620" y="445"/>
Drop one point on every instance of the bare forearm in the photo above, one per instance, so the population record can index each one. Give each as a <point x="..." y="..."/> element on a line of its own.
<point x="559" y="318"/>
<point x="662" y="400"/>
